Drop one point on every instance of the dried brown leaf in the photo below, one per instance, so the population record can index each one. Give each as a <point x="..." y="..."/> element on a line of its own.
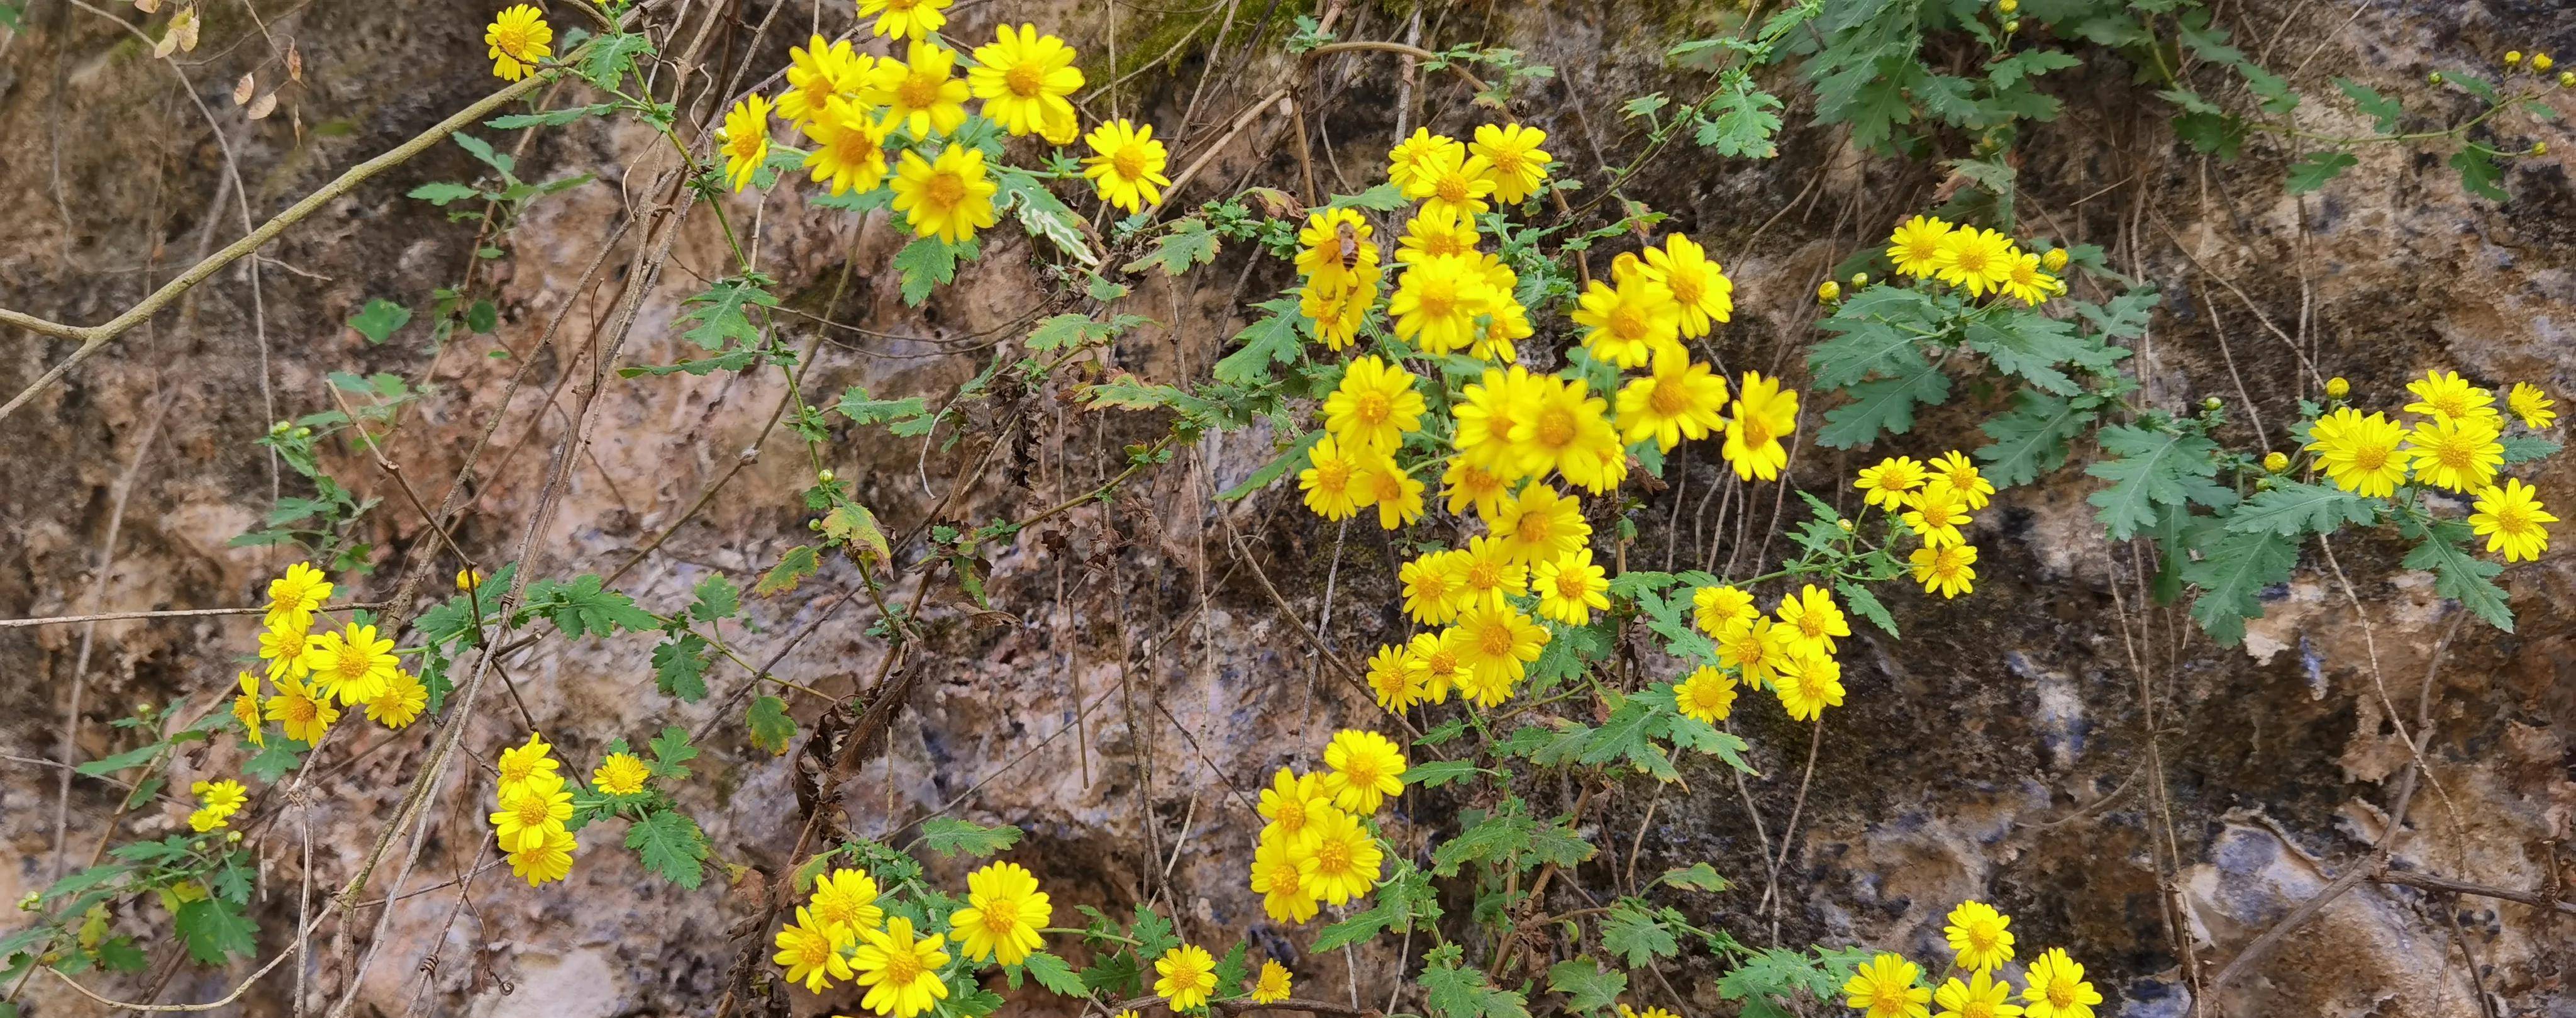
<point x="243" y="88"/>
<point x="261" y="107"/>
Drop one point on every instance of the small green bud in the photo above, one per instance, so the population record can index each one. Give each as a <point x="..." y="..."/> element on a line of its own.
<point x="825" y="476"/>
<point x="2434" y="78"/>
<point x="1860" y="279"/>
<point x="2013" y="26"/>
<point x="2262" y="484"/>
<point x="2212" y="403"/>
<point x="1845" y="524"/>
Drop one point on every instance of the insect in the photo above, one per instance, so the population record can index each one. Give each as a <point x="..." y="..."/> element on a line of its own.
<point x="1346" y="238"/>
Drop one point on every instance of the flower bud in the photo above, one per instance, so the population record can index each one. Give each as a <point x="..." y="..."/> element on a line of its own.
<point x="2054" y="260"/>
<point x="2211" y="403"/>
<point x="2434" y="78"/>
<point x="2276" y="462"/>
<point x="2541" y="62"/>
<point x="2567" y="79"/>
<point x="468" y="579"/>
<point x="1845" y="524"/>
<point x="2540" y="148"/>
<point x="2512" y="57"/>
<point x="2008" y="6"/>
<point x="2337" y="388"/>
<point x="2013" y="26"/>
<point x="1829" y="291"/>
<point x="232" y="837"/>
<point x="825" y="475"/>
<point x="1860" y="279"/>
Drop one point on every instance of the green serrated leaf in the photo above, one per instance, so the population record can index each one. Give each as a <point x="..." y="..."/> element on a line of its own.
<point x="1188" y="243"/>
<point x="2031" y="439"/>
<point x="771" y="728"/>
<point x="2460" y="576"/>
<point x="949" y="836"/>
<point x="680" y="667"/>
<point x="1587" y="986"/>
<point x="1271" y="339"/>
<point x="2292" y="508"/>
<point x="213" y="928"/>
<point x="1054" y="974"/>
<point x="2318" y="169"/>
<point x="2153" y="468"/>
<point x="792" y="568"/>
<point x="722" y="312"/>
<point x="929" y="263"/>
<point x="1639" y="936"/>
<point x="1435" y="773"/>
<point x="1698" y="875"/>
<point x="1885" y="404"/>
<point x="670" y="844"/>
<point x="2232" y="573"/>
<point x="440" y="193"/>
<point x="379" y="319"/>
<point x="581" y="607"/>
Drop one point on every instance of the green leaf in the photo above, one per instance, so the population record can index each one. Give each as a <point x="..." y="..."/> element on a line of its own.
<point x="110" y="764"/>
<point x="2319" y="168"/>
<point x="92" y="877"/>
<point x="1152" y="933"/>
<point x="671" y="753"/>
<point x="1558" y="844"/>
<point x="951" y="837"/>
<point x="2232" y="573"/>
<point x="1384" y="197"/>
<point x="2030" y="439"/>
<point x="2459" y="576"/>
<point x="440" y="194"/>
<point x="1640" y="936"/>
<point x="1272" y="339"/>
<point x="1062" y="331"/>
<point x="1188" y="243"/>
<point x="1054" y="974"/>
<point x="1454" y="992"/>
<point x="2154" y="468"/>
<point x="721" y="312"/>
<point x="378" y="320"/>
<point x="276" y="759"/>
<point x="792" y="569"/>
<point x="1697" y="875"/>
<point x="771" y="728"/>
<point x="856" y="405"/>
<point x="1435" y="773"/>
<point x="2032" y="346"/>
<point x="2292" y="508"/>
<point x="1866" y="605"/>
<point x="2029" y="63"/>
<point x="2383" y="111"/>
<point x="549" y="118"/>
<point x="680" y="667"/>
<point x="1885" y="404"/>
<point x="1497" y="837"/>
<point x="1587" y="987"/>
<point x="1229" y="973"/>
<point x="2525" y="448"/>
<point x="482" y="150"/>
<point x="1865" y="342"/>
<point x="1739" y="123"/>
<point x="1769" y="978"/>
<point x="213" y="928"/>
<point x="717" y="598"/>
<point x="1042" y="213"/>
<point x="1404" y="898"/>
<point x="581" y="607"/>
<point x="2479" y="174"/>
<point x="929" y="263"/>
<point x="670" y="844"/>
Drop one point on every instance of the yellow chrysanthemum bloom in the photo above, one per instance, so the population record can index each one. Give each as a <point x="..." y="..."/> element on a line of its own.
<point x="1331" y="480"/>
<point x="847" y="897"/>
<point x="2511" y="518"/>
<point x="2360" y="454"/>
<point x="284" y="646"/>
<point x="813" y="953"/>
<point x="1127" y="167"/>
<point x="905" y="19"/>
<point x="900" y="971"/>
<point x="849" y="146"/>
<point x="1980" y="935"/>
<point x="400" y="703"/>
<point x="1708" y="695"/>
<point x="1888" y="986"/>
<point x="518" y="38"/>
<point x="217" y="801"/>
<point x="1344" y="861"/>
<point x="2057" y="989"/>
<point x="1624" y="324"/>
<point x="1395" y="678"/>
<point x="1023" y="78"/>
<point x="949" y="199"/>
<point x="1468" y="486"/>
<point x="304" y="715"/>
<point x="1392" y="488"/>
<point x="1488" y="575"/>
<point x="2531" y="405"/>
<point x="1753" y="647"/>
<point x="1375" y="406"/>
<point x="744" y="140"/>
<point x="1407" y="161"/>
<point x="352" y="665"/>
<point x="527" y="762"/>
<point x="528" y="811"/>
<point x="1334" y="247"/>
<point x="2024" y="281"/>
<point x="1487" y="411"/>
<point x="1281" y="883"/>
<point x="1437" y="233"/>
<point x="1432" y="591"/>
<point x="1975" y="260"/>
<point x="1886" y="484"/>
<point x="246" y="710"/>
<point x="816" y="72"/>
<point x="548" y="862"/>
<point x="1916" y="245"/>
<point x="1566" y="427"/>
<point x="1936" y="513"/>
<point x="2455" y="454"/>
<point x="1682" y="399"/>
<point x="1365" y="768"/>
<point x="1290" y="805"/>
<point x="1443" y="667"/>
<point x="1712" y="607"/>
<point x="1506" y="324"/>
<point x="1962" y="476"/>
<point x="1541" y="525"/>
<point x="1812" y="618"/>
<point x="1946" y="570"/>
<point x="1764" y="413"/>
<point x="1448" y="178"/>
<point x="294" y="597"/>
<point x="1436" y="303"/>
<point x="1699" y="285"/>
<point x="1514" y="163"/>
<point x="921" y="92"/>
<point x="2445" y="396"/>
<point x="1184" y="976"/>
<point x="1003" y="914"/>
<point x="1570" y="588"/>
<point x="1982" y="996"/>
<point x="620" y="774"/>
<point x="1497" y="645"/>
<point x="1338" y="310"/>
<point x="1808" y="682"/>
<point x="1273" y="986"/>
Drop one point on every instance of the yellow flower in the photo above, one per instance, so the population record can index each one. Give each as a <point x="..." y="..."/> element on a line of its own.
<point x="1448" y="178"/>
<point x="1624" y="324"/>
<point x="816" y="72"/>
<point x="900" y="972"/>
<point x="1812" y="618"/>
<point x="1945" y="570"/>
<point x="1003" y="914"/>
<point x="1566" y="427"/>
<point x="2359" y="453"/>
<point x="528" y="811"/>
<point x="1410" y="157"/>
<point x="2057" y="988"/>
<point x="1936" y="513"/>
<point x="400" y="703"/>
<point x="1753" y="647"/>
<point x="1708" y="695"/>
<point x="1982" y="996"/>
<point x="1488" y="575"/>
<point x="1128" y="166"/>
<point x="745" y="140"/>
<point x="905" y="19"/>
<point x="1185" y="975"/>
<point x="304" y="715"/>
<point x="1487" y="411"/>
<point x="2445" y="396"/>
<point x="1334" y="248"/>
<point x="1764" y="413"/>
<point x="353" y="665"/>
<point x="1514" y="163"/>
<point x="217" y="801"/>
<point x="527" y="762"/>
<point x="1392" y="487"/>
<point x="1436" y="303"/>
<point x="1807" y="683"/>
<point x="949" y="199"/>
<point x="246" y="710"/>
<point x="468" y="580"/>
<point x="1541" y="525"/>
<point x="620" y="774"/>
<point x="1291" y="804"/>
<point x="847" y="898"/>
<point x="849" y="146"/>
<point x="1366" y="768"/>
<point x="1497" y="643"/>
<point x="1682" y="399"/>
<point x="1713" y="607"/>
<point x="1978" y="933"/>
<point x="2024" y="281"/>
<point x="2510" y="517"/>
<point x="2455" y="454"/>
<point x="1467" y="486"/>
<point x="549" y="861"/>
<point x="1699" y="285"/>
<point x="294" y="597"/>
<point x="518" y="37"/>
<point x="1443" y="668"/>
<point x="1962" y="476"/>
<point x="1886" y="987"/>
<point x="1338" y="309"/>
<point x="1331" y="480"/>
<point x="283" y="647"/>
<point x="1374" y="407"/>
<point x="1272" y="987"/>
<point x="1281" y="883"/>
<point x="813" y="954"/>
<point x="1344" y="861"/>
<point x="1023" y="78"/>
<point x="2529" y="403"/>
<point x="920" y="92"/>
<point x="1395" y="677"/>
<point x="1432" y="591"/>
<point x="1886" y="484"/>
<point x="1571" y="588"/>
<point x="1975" y="260"/>
<point x="1916" y="245"/>
<point x="1436" y="233"/>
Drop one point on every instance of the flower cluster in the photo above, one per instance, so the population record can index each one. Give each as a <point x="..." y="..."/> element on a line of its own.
<point x="1934" y="499"/>
<point x="534" y="806"/>
<point x="844" y="933"/>
<point x="2053" y="985"/>
<point x="308" y="673"/>
<point x="1317" y="848"/>
<point x="1974" y="260"/>
<point x="2456" y="443"/>
<point x="217" y="801"/>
